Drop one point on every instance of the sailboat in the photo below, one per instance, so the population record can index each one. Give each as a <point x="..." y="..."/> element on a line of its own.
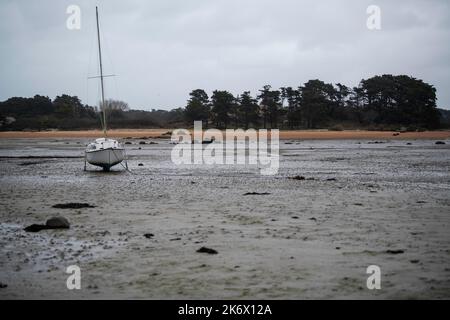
<point x="103" y="152"/>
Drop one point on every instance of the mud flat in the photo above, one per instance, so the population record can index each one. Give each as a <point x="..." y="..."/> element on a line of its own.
<point x="140" y="235"/>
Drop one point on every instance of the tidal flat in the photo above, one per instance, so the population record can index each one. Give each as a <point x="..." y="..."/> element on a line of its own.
<point x="334" y="208"/>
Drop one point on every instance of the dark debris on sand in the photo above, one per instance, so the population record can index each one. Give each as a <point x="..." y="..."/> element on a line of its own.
<point x="73" y="205"/>
<point x="32" y="163"/>
<point x="300" y="178"/>
<point x="395" y="251"/>
<point x="207" y="250"/>
<point x="256" y="194"/>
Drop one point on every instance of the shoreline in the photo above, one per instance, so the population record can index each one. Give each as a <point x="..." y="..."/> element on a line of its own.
<point x="284" y="134"/>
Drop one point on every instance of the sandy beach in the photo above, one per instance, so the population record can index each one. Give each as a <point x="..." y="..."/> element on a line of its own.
<point x="284" y="134"/>
<point x="361" y="203"/>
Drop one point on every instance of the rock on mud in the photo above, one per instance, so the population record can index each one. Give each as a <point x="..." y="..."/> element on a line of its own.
<point x="207" y="250"/>
<point x="58" y="223"/>
<point x="52" y="223"/>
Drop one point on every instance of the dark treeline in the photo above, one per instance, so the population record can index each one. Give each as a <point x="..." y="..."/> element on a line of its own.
<point x="68" y="113"/>
<point x="380" y="103"/>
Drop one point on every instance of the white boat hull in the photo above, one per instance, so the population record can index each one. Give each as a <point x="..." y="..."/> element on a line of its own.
<point x="105" y="158"/>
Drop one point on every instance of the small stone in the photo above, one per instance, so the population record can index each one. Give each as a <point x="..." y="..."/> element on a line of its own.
<point x="3" y="285"/>
<point x="149" y="235"/>
<point x="440" y="142"/>
<point x="58" y="223"/>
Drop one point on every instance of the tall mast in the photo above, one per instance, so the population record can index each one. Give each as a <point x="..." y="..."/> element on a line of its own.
<point x="101" y="74"/>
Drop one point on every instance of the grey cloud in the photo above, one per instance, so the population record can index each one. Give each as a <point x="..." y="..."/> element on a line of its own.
<point x="161" y="50"/>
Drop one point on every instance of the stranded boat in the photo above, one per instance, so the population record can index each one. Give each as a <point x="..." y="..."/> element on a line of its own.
<point x="103" y="152"/>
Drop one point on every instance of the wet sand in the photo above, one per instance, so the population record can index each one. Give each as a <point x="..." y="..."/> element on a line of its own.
<point x="284" y="134"/>
<point x="305" y="239"/>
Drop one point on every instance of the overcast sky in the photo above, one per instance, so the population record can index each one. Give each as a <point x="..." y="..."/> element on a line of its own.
<point x="163" y="49"/>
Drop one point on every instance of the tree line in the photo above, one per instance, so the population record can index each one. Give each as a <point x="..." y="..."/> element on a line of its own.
<point x="381" y="102"/>
<point x="67" y="112"/>
<point x="384" y="102"/>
